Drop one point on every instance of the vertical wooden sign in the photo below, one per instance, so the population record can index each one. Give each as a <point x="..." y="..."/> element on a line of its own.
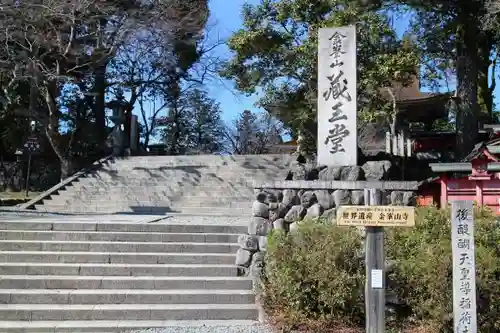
<point x="464" y="267"/>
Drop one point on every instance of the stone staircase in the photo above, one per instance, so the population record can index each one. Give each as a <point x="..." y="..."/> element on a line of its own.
<point x="200" y="185"/>
<point x="117" y="273"/>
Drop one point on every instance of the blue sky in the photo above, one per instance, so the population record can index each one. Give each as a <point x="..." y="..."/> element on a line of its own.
<point x="226" y="19"/>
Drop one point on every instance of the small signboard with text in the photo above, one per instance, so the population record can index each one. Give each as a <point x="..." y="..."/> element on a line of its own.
<point x="376" y="216"/>
<point x="32" y="144"/>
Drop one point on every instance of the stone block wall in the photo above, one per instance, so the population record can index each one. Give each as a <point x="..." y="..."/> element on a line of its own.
<point x="285" y="208"/>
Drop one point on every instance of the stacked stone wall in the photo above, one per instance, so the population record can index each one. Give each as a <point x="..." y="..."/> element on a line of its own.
<point x="284" y="209"/>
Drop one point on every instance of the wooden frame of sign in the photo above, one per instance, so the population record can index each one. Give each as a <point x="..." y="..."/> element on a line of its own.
<point x="376" y="216"/>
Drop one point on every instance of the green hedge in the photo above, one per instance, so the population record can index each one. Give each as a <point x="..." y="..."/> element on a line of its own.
<point x="317" y="273"/>
<point x="423" y="270"/>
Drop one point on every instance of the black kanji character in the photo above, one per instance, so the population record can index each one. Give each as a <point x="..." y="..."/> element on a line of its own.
<point x="335" y="137"/>
<point x="463" y="229"/>
<point x="337" y="113"/>
<point x="337" y="88"/>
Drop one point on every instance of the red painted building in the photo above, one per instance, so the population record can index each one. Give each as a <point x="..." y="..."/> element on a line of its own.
<point x="475" y="178"/>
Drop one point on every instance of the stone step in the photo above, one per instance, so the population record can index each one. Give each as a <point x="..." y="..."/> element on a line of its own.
<point x="129" y="326"/>
<point x="96" y="269"/>
<point x="173" y="180"/>
<point x="82" y="208"/>
<point x="96" y="236"/>
<point x="124" y="227"/>
<point x="165" y="185"/>
<point x="195" y="166"/>
<point x="207" y="203"/>
<point x="215" y="211"/>
<point x="96" y="201"/>
<point x="123" y="282"/>
<point x="124" y="296"/>
<point x="171" y="193"/>
<point x="87" y="246"/>
<point x="33" y="312"/>
<point x="148" y="197"/>
<point x="190" y="168"/>
<point x="230" y="172"/>
<point x="162" y="161"/>
<point x="116" y="257"/>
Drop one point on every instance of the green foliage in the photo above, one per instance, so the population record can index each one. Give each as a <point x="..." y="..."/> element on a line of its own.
<point x="276" y="51"/>
<point x="193" y="125"/>
<point x="423" y="270"/>
<point x="315" y="273"/>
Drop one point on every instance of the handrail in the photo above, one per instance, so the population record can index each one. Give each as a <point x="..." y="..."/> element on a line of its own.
<point x="63" y="183"/>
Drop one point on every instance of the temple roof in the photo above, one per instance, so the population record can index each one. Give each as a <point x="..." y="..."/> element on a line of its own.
<point x="425" y="97"/>
<point x="476" y="152"/>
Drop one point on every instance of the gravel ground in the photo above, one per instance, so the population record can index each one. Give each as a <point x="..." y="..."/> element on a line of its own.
<point x="137" y="218"/>
<point x="210" y="329"/>
<point x="168" y="219"/>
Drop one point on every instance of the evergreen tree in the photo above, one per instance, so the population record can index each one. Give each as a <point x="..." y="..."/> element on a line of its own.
<point x="193" y="125"/>
<point x="254" y="133"/>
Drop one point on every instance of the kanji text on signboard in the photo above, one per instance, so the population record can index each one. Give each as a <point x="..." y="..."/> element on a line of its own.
<point x="376" y="216"/>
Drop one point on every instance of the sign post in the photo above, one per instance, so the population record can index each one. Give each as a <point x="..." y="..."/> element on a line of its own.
<point x="337" y="145"/>
<point x="32" y="145"/>
<point x="337" y="115"/>
<point x="464" y="267"/>
<point x="375" y="218"/>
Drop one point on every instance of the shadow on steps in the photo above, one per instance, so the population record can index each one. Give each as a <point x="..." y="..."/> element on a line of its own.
<point x="148" y="210"/>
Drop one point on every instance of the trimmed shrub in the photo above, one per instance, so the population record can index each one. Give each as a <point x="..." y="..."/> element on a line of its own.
<point x="422" y="274"/>
<point x="315" y="273"/>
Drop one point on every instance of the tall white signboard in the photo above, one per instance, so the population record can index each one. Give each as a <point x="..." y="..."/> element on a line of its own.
<point x="464" y="267"/>
<point x="337" y="116"/>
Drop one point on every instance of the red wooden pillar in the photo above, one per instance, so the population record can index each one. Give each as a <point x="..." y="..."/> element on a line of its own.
<point x="479" y="192"/>
<point x="444" y="191"/>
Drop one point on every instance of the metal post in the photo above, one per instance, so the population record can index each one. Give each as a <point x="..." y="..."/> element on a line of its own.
<point x="395" y="145"/>
<point x="28" y="172"/>
<point x="408" y="147"/>
<point x="401" y="144"/>
<point x="388" y="143"/>
<point x="375" y="271"/>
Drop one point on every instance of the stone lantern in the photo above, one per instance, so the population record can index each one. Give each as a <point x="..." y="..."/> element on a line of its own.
<point x="119" y="134"/>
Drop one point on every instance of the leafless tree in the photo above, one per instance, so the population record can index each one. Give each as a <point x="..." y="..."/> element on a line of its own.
<point x="139" y="71"/>
<point x="253" y="133"/>
<point x="48" y="44"/>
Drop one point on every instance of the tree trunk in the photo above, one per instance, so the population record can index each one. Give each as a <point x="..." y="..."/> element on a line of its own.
<point x="485" y="95"/>
<point x="100" y="104"/>
<point x="67" y="168"/>
<point x="467" y="107"/>
<point x="52" y="130"/>
<point x="394" y="115"/>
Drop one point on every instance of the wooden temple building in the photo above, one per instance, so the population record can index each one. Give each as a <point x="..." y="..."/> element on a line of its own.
<point x="417" y="113"/>
<point x="476" y="177"/>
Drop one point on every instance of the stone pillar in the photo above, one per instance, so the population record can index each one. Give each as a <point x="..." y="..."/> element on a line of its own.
<point x="134" y="134"/>
<point x="118" y="131"/>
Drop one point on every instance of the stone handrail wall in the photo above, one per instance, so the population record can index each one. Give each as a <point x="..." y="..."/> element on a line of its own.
<point x="314" y="192"/>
